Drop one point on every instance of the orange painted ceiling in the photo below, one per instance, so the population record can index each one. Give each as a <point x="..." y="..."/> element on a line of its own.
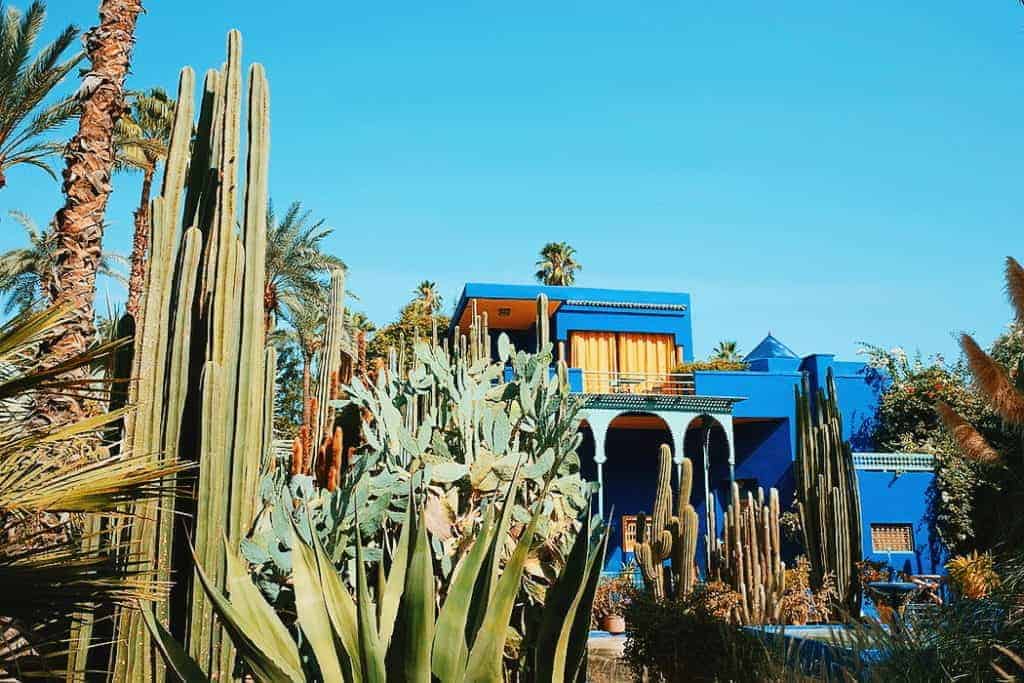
<point x="504" y="314"/>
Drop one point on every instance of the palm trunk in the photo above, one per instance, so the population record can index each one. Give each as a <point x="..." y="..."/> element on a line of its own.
<point x="269" y="301"/>
<point x="140" y="245"/>
<point x="89" y="161"/>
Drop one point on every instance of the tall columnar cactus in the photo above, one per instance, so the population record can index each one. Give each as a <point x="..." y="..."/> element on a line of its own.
<point x="750" y="557"/>
<point x="204" y="385"/>
<point x="670" y="536"/>
<point x="543" y="322"/>
<point x="330" y="363"/>
<point x="828" y="499"/>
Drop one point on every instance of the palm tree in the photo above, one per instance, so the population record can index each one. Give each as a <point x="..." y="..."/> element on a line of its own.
<point x="358" y="322"/>
<point x="727" y="350"/>
<point x="427" y="296"/>
<point x="557" y="264"/>
<point x="308" y="322"/>
<point x="47" y="479"/>
<point x="296" y="267"/>
<point x="141" y="139"/>
<point x="89" y="162"/>
<point x="25" y="83"/>
<point x="24" y="271"/>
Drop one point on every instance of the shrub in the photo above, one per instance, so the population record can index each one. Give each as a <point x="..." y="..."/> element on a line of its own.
<point x="683" y="640"/>
<point x="710" y="364"/>
<point x="613" y="597"/>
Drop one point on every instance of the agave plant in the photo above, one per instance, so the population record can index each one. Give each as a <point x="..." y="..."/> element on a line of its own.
<point x="398" y="632"/>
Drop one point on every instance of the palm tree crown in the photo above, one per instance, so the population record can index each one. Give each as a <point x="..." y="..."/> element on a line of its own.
<point x="358" y="322"/>
<point x="142" y="135"/>
<point x="296" y="266"/>
<point x="726" y="350"/>
<point x="24" y="84"/>
<point x="557" y="264"/>
<point x="427" y="296"/>
<point x="141" y="140"/>
<point x="24" y="271"/>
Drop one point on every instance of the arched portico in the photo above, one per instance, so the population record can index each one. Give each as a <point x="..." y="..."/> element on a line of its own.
<point x="677" y="413"/>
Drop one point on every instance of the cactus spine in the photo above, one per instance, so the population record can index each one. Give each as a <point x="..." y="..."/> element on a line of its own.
<point x="750" y="557"/>
<point x="205" y="380"/>
<point x="670" y="536"/>
<point x="828" y="499"/>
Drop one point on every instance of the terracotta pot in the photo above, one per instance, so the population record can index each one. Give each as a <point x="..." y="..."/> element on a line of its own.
<point x="614" y="624"/>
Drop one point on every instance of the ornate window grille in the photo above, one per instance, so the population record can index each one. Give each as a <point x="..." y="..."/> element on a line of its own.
<point x="892" y="538"/>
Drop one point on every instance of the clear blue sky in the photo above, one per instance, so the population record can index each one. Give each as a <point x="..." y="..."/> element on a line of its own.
<point x="830" y="171"/>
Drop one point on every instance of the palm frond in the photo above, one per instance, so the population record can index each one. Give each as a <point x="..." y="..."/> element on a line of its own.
<point x="993" y="381"/>
<point x="972" y="444"/>
<point x="1015" y="286"/>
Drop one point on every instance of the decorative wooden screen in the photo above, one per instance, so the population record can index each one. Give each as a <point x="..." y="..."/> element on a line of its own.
<point x="629" y="531"/>
<point x="892" y="538"/>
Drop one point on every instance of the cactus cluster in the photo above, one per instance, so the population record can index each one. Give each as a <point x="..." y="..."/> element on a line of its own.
<point x="204" y="375"/>
<point x="670" y="535"/>
<point x="749" y="556"/>
<point x="828" y="499"/>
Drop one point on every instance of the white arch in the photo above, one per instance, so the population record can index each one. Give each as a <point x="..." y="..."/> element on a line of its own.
<point x="678" y="422"/>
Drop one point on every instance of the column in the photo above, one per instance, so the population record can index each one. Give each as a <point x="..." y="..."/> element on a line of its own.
<point x="599" y="421"/>
<point x="677" y="425"/>
<point x="730" y="440"/>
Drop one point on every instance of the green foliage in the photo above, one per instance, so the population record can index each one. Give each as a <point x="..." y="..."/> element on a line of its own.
<point x="557" y="264"/>
<point x="711" y="364"/>
<point x="25" y="82"/>
<point x="288" y="394"/>
<point x="49" y="474"/>
<point x="677" y="641"/>
<point x="143" y="133"/>
<point x="22" y="271"/>
<point x="727" y="351"/>
<point x="415" y="323"/>
<point x="965" y="493"/>
<point x="296" y="265"/>
<point x="393" y="629"/>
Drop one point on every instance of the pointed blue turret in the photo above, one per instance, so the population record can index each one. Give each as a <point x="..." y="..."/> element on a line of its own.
<point x="773" y="356"/>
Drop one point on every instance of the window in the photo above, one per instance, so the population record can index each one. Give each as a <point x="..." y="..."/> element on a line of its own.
<point x="629" y="531"/>
<point x="892" y="538"/>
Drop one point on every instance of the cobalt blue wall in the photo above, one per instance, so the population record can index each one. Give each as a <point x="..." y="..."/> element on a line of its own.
<point x="888" y="498"/>
<point x="606" y="318"/>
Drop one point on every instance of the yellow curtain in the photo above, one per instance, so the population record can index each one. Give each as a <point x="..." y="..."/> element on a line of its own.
<point x="649" y="355"/>
<point x="595" y="354"/>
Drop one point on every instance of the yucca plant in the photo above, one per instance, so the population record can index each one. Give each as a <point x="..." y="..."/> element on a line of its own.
<point x="52" y="480"/>
<point x="398" y="632"/>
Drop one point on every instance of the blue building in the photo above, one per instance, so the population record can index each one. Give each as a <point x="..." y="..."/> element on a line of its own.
<point x="624" y="350"/>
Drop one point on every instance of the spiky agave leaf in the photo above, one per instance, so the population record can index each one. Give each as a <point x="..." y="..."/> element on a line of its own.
<point x="993" y="382"/>
<point x="972" y="444"/>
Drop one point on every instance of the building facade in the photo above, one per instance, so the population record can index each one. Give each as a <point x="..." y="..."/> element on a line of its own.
<point x="627" y="352"/>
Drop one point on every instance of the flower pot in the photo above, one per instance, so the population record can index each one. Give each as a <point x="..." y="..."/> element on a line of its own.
<point x="614" y="624"/>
